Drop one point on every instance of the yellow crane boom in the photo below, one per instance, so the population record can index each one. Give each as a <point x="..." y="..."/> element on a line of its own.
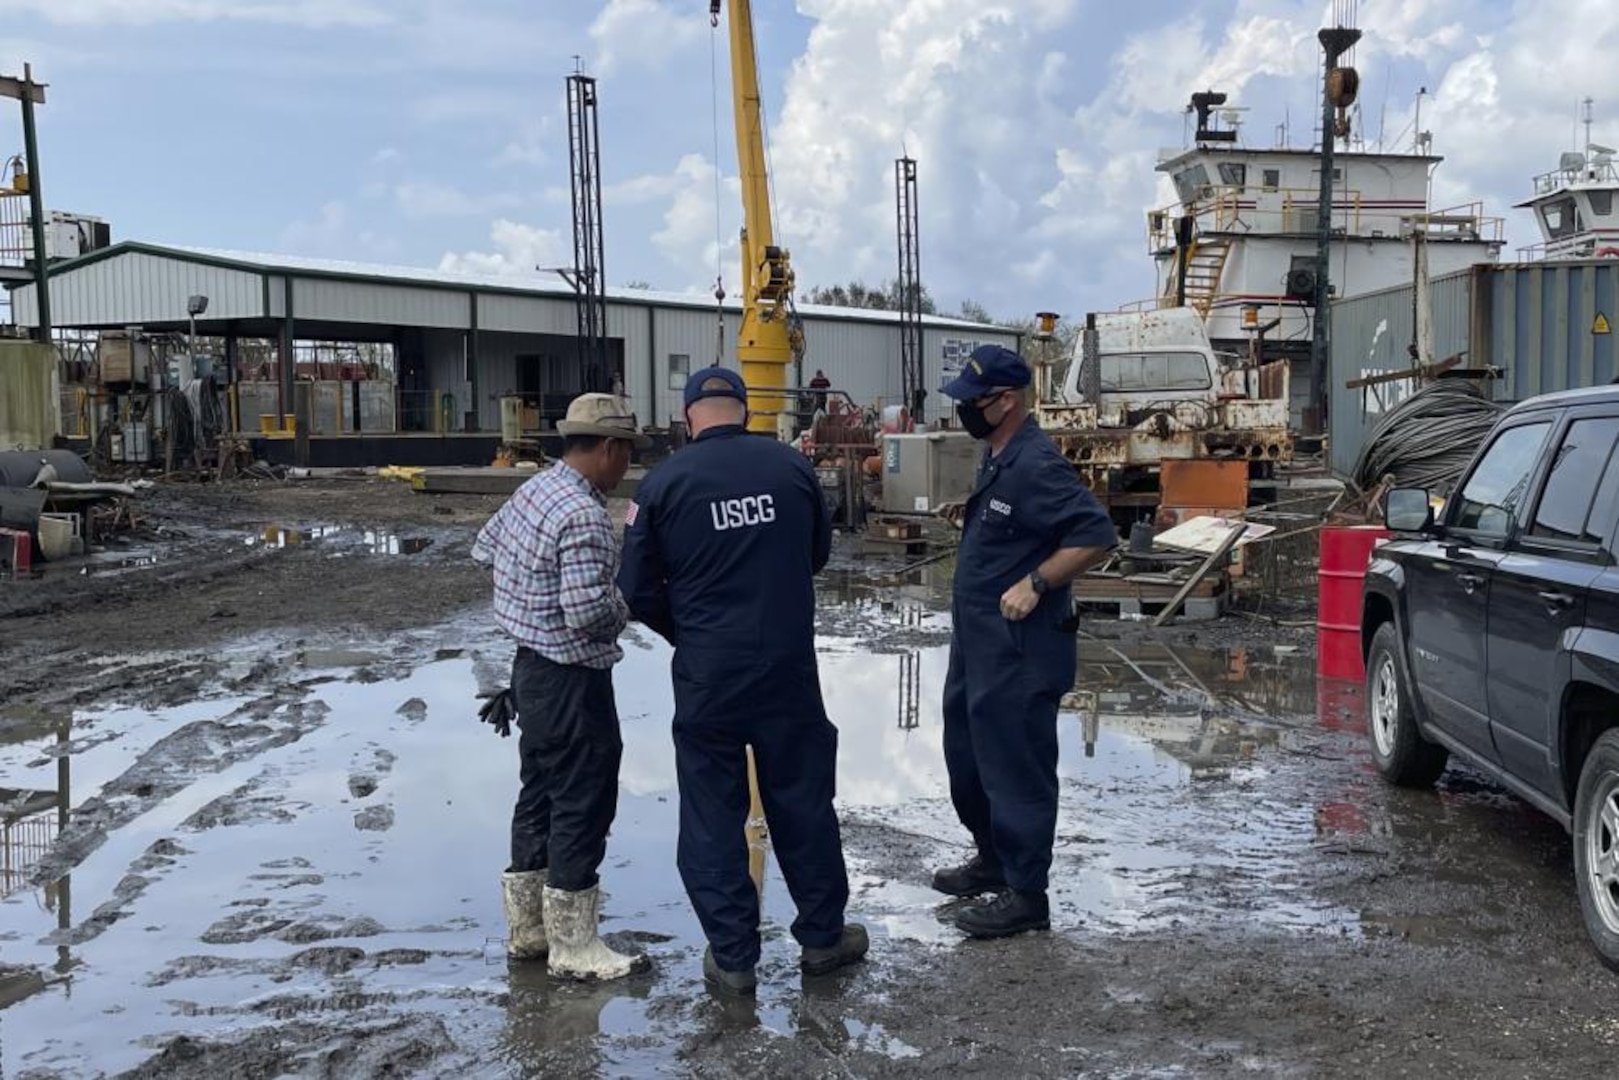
<point x="769" y="339"/>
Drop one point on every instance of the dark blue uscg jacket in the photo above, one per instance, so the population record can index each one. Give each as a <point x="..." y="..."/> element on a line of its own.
<point x="722" y="543"/>
<point x="1028" y="502"/>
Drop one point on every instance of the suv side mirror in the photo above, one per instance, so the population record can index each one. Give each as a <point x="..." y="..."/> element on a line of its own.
<point x="1408" y="510"/>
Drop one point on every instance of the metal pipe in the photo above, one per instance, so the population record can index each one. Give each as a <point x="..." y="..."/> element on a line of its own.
<point x="36" y="206"/>
<point x="1334" y="43"/>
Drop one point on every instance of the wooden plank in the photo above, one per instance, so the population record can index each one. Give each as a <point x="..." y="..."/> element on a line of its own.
<point x="1202" y="572"/>
<point x="1427" y="371"/>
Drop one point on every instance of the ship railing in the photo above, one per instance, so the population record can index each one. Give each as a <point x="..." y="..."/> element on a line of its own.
<point x="1584" y="247"/>
<point x="1603" y="172"/>
<point x="1466" y="221"/>
<point x="16" y="237"/>
<point x="1247" y="208"/>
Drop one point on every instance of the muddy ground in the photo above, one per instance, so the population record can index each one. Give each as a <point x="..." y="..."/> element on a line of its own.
<point x="256" y="831"/>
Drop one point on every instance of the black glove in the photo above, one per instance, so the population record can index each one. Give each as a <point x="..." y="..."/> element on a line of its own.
<point x="500" y="710"/>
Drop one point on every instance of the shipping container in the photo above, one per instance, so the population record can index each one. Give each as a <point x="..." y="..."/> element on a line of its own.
<point x="1545" y="325"/>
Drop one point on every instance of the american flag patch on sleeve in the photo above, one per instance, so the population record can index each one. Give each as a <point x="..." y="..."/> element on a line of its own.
<point x="629" y="518"/>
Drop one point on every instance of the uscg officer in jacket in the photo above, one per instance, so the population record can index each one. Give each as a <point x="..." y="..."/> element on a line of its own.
<point x="721" y="548"/>
<point x="1029" y="528"/>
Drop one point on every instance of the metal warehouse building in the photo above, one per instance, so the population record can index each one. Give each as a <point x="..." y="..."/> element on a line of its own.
<point x="463" y="341"/>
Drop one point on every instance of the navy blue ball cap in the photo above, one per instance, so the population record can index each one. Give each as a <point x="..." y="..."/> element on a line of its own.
<point x="707" y="383"/>
<point x="989" y="368"/>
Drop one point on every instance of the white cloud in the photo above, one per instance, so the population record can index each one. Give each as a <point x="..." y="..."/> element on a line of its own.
<point x="422" y="199"/>
<point x="644" y="32"/>
<point x="528" y="147"/>
<point x="386" y="156"/>
<point x="313" y="14"/>
<point x="333" y="234"/>
<point x="519" y="249"/>
<point x="690" y="237"/>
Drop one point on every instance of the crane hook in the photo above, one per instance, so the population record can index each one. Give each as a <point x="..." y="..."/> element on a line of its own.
<point x="714" y="13"/>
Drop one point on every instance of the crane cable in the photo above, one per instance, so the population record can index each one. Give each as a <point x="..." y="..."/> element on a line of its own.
<point x="719" y="227"/>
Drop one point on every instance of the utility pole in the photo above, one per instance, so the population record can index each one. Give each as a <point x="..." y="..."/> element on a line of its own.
<point x="31" y="93"/>
<point x="1337" y="92"/>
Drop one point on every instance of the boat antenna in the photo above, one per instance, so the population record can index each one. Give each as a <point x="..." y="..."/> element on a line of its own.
<point x="1589" y="106"/>
<point x="1416" y="124"/>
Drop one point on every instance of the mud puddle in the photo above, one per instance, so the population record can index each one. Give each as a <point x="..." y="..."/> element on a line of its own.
<point x="340" y="539"/>
<point x="306" y="861"/>
<point x="327" y="851"/>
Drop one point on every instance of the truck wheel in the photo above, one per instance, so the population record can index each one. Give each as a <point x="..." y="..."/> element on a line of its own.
<point x="1596" y="846"/>
<point x="1403" y="756"/>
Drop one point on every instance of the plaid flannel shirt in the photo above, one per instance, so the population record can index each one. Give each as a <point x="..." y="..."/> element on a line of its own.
<point x="555" y="557"/>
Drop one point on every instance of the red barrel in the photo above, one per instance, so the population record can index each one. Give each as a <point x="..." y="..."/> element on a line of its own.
<point x="1346" y="551"/>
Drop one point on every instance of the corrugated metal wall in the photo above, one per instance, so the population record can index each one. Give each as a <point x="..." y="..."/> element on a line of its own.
<point x="330" y="300"/>
<point x="137" y="288"/>
<point x="1372" y="335"/>
<point x="1542" y="322"/>
<point x="1548" y="326"/>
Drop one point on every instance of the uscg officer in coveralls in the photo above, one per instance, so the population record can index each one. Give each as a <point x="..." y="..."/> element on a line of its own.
<point x="720" y="552"/>
<point x="1029" y="528"/>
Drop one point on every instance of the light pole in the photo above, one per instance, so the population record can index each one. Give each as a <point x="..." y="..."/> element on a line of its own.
<point x="31" y="93"/>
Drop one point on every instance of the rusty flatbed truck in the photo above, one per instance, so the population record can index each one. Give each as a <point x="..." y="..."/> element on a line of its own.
<point x="1143" y="388"/>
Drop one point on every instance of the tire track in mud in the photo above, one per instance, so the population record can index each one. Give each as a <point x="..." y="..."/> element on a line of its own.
<point x="171" y="764"/>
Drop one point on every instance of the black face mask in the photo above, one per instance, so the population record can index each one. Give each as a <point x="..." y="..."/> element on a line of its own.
<point x="974" y="422"/>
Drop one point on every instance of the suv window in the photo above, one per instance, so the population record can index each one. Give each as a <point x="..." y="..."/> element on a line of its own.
<point x="1495" y="493"/>
<point x="1566" y="510"/>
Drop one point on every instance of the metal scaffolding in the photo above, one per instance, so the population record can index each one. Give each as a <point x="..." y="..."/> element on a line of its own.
<point x="910" y="287"/>
<point x="588" y="279"/>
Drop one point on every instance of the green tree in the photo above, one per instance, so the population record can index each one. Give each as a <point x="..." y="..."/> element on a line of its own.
<point x="973" y="311"/>
<point x="857" y="294"/>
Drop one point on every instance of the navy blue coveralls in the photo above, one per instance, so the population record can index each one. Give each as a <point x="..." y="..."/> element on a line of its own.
<point x="1007" y="679"/>
<point x="719" y="558"/>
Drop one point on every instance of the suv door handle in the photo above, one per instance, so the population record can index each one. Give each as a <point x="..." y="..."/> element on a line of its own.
<point x="1556" y="601"/>
<point x="1469" y="582"/>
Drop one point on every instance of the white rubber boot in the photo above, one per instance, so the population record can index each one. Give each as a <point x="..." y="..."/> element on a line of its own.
<point x="525" y="914"/>
<point x="576" y="950"/>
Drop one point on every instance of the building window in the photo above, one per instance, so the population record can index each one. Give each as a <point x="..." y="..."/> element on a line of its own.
<point x="1273" y="179"/>
<point x="1192" y="184"/>
<point x="1561" y="218"/>
<point x="679" y="370"/>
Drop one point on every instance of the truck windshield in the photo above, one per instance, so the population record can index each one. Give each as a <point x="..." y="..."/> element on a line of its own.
<point x="1137" y="373"/>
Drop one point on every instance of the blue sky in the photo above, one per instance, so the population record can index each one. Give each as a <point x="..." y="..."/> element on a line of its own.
<point x="431" y="132"/>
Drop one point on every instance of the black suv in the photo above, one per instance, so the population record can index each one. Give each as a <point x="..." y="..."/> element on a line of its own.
<point x="1493" y="632"/>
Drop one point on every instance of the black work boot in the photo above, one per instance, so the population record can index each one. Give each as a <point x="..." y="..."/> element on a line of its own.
<point x="972" y="878"/>
<point x="1011" y="912"/>
<point x="851" y="949"/>
<point x="728" y="983"/>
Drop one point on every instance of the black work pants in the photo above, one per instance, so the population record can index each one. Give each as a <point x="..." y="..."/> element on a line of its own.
<point x="725" y="702"/>
<point x="571" y="747"/>
<point x="1001" y="695"/>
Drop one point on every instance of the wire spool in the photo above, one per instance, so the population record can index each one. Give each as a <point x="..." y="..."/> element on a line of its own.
<point x="1427" y="440"/>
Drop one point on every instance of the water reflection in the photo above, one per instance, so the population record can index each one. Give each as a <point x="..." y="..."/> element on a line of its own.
<point x="263" y="844"/>
<point x="30" y="822"/>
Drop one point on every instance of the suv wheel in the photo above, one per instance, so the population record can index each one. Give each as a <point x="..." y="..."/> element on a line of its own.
<point x="1403" y="756"/>
<point x="1596" y="846"/>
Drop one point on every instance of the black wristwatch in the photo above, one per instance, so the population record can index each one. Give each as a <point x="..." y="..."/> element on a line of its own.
<point x="1037" y="583"/>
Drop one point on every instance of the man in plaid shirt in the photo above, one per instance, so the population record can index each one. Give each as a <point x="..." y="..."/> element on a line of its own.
<point x="555" y="554"/>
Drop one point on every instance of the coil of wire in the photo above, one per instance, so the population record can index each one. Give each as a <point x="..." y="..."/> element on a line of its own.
<point x="1427" y="440"/>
